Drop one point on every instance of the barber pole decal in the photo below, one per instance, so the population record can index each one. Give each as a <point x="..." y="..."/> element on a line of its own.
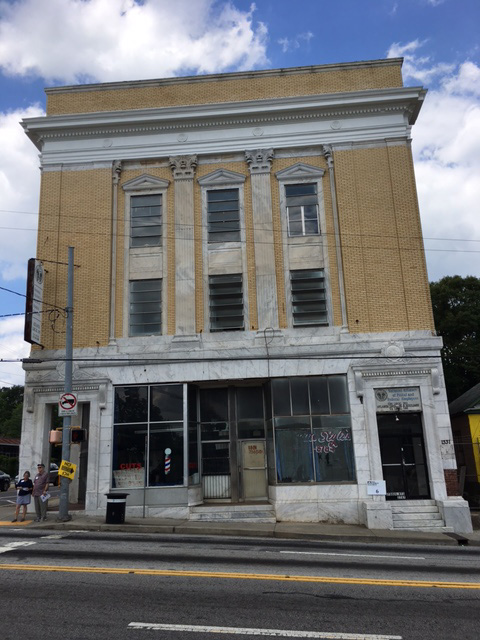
<point x="168" y="461"/>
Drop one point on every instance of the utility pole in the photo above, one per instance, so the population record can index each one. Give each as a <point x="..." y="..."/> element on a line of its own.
<point x="63" y="514"/>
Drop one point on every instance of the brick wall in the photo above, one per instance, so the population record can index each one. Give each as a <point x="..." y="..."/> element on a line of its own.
<point x="225" y="88"/>
<point x="451" y="482"/>
<point x="76" y="211"/>
<point x="384" y="265"/>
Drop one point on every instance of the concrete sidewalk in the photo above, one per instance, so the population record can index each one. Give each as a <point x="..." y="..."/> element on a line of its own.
<point x="286" y="530"/>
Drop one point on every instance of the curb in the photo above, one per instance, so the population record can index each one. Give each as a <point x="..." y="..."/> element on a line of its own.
<point x="276" y="532"/>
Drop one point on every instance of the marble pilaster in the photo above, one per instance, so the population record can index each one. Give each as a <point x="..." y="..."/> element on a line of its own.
<point x="259" y="162"/>
<point x="183" y="168"/>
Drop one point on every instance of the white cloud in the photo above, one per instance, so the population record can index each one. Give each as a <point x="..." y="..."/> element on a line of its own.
<point x="446" y="146"/>
<point x="418" y="68"/>
<point x="19" y="186"/>
<point x="12" y="347"/>
<point x="290" y="44"/>
<point x="110" y="40"/>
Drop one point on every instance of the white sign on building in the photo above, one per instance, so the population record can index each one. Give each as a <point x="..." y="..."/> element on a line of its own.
<point x="34" y="303"/>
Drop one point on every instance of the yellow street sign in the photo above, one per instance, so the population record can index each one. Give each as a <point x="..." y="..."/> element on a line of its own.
<point x="67" y="469"/>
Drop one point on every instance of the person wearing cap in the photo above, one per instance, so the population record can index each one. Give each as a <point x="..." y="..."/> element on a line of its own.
<point x="40" y="488"/>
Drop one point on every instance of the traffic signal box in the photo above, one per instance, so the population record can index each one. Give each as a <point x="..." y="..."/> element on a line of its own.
<point x="77" y="435"/>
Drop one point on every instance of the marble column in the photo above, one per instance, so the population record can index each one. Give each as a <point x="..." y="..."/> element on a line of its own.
<point x="259" y="162"/>
<point x="183" y="168"/>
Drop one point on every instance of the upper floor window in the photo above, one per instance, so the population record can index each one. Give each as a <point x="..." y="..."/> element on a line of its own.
<point x="309" y="305"/>
<point x="226" y="302"/>
<point x="145" y="318"/>
<point x="146" y="220"/>
<point x="302" y="209"/>
<point x="223" y="215"/>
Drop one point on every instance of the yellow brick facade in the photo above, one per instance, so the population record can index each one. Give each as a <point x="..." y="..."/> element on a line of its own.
<point x="386" y="283"/>
<point x="75" y="210"/>
<point x="225" y="88"/>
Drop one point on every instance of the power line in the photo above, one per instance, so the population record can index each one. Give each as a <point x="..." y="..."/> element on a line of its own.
<point x="370" y="235"/>
<point x="344" y="244"/>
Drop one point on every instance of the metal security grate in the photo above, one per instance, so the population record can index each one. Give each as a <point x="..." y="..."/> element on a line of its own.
<point x="226" y="302"/>
<point x="308" y="297"/>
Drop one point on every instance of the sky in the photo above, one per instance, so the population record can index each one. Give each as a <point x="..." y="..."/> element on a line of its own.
<point x="46" y="43"/>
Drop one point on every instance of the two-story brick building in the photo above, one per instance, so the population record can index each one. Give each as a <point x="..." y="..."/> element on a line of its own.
<point x="252" y="316"/>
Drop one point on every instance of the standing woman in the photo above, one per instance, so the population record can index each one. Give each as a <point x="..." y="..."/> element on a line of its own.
<point x="25" y="487"/>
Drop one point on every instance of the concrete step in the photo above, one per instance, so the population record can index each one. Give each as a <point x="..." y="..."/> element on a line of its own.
<point x="414" y="509"/>
<point x="426" y="529"/>
<point x="418" y="515"/>
<point x="412" y="503"/>
<point x="418" y="524"/>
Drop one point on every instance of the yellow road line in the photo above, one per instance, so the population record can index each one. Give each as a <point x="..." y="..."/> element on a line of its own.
<point x="243" y="576"/>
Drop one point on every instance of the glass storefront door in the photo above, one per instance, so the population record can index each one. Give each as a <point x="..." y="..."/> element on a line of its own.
<point x="403" y="456"/>
<point x="232" y="427"/>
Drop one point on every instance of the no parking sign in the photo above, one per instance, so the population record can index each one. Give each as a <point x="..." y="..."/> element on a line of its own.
<point x="67" y="405"/>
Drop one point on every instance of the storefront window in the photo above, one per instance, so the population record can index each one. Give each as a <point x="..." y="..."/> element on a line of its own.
<point x="293" y="450"/>
<point x="312" y="430"/>
<point x="333" y="449"/>
<point x="193" y="429"/>
<point x="148" y="436"/>
<point x="166" y="455"/>
<point x="129" y="455"/>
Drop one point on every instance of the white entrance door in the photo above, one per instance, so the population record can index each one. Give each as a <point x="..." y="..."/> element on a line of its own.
<point x="254" y="470"/>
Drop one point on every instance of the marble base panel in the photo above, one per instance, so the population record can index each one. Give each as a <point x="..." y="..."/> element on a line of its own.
<point x="456" y="514"/>
<point x="376" y="515"/>
<point x="333" y="512"/>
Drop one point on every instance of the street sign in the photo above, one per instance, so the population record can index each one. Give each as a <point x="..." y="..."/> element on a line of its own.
<point x="67" y="469"/>
<point x="67" y="405"/>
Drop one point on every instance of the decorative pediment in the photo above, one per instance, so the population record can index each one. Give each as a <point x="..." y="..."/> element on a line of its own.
<point x="221" y="176"/>
<point x="144" y="183"/>
<point x="300" y="171"/>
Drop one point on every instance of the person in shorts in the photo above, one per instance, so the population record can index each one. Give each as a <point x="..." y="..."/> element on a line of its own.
<point x="25" y="488"/>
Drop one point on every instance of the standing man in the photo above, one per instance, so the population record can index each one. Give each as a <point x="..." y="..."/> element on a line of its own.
<point x="40" y="488"/>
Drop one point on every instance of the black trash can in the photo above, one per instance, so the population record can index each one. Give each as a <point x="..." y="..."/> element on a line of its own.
<point x="116" y="504"/>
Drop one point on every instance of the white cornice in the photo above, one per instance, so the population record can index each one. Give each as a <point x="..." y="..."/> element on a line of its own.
<point x="257" y="112"/>
<point x="364" y="117"/>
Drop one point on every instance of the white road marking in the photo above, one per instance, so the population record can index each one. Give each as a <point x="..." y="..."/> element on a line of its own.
<point x="353" y="555"/>
<point x="55" y="536"/>
<point x="10" y="546"/>
<point x="283" y="633"/>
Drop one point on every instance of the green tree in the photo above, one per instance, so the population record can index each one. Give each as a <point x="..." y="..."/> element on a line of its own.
<point x="456" y="310"/>
<point x="11" y="406"/>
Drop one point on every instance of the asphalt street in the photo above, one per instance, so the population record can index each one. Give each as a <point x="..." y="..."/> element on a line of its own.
<point x="113" y="585"/>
